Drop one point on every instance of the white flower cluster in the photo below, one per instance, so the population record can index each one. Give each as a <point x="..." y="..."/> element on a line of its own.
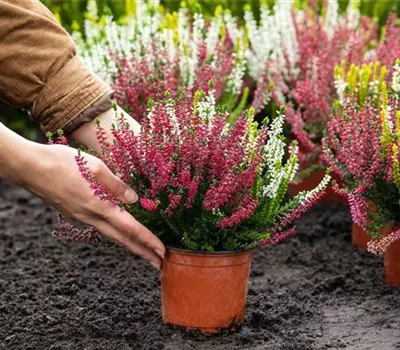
<point x="396" y="78"/>
<point x="331" y="18"/>
<point x="272" y="38"/>
<point x="340" y="87"/>
<point x="274" y="152"/>
<point x="306" y="196"/>
<point x="207" y="109"/>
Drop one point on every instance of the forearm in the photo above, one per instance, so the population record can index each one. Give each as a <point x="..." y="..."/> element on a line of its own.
<point x="86" y="134"/>
<point x="15" y="156"/>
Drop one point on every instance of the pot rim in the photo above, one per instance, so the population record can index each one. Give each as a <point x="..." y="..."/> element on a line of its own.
<point x="219" y="252"/>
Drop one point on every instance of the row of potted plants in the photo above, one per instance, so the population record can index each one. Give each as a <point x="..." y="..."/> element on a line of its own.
<point x="285" y="59"/>
<point x="213" y="171"/>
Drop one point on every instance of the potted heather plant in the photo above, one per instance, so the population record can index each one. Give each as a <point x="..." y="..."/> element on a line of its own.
<point x="292" y="55"/>
<point x="361" y="146"/>
<point x="213" y="190"/>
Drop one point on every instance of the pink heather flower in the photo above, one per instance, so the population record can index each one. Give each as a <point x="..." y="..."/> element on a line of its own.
<point x="388" y="50"/>
<point x="298" y="212"/>
<point x="148" y="204"/>
<point x="140" y="78"/>
<point x="352" y="144"/>
<point x="98" y="189"/>
<point x="277" y="237"/>
<point x="352" y="149"/>
<point x="309" y="91"/>
<point x="358" y="208"/>
<point x="70" y="232"/>
<point x="150" y="75"/>
<point x="244" y="212"/>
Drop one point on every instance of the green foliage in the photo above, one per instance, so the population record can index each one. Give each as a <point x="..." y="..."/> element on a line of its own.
<point x="19" y="121"/>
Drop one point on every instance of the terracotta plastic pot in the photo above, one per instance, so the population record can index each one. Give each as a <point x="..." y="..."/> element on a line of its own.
<point x="359" y="237"/>
<point x="392" y="260"/>
<point x="309" y="183"/>
<point x="205" y="291"/>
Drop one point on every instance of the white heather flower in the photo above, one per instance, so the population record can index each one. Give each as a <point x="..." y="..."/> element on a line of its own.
<point x="374" y="88"/>
<point x="207" y="110"/>
<point x="321" y="187"/>
<point x="198" y="31"/>
<point x="353" y="12"/>
<point x="274" y="150"/>
<point x="170" y="109"/>
<point x="331" y="18"/>
<point x="389" y="120"/>
<point x="235" y="79"/>
<point x="212" y="34"/>
<point x="232" y="27"/>
<point x="396" y="78"/>
<point x="294" y="150"/>
<point x="272" y="188"/>
<point x="274" y="36"/>
<point x="92" y="10"/>
<point x="340" y="86"/>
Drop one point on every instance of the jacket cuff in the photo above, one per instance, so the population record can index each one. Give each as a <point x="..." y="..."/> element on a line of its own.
<point x="67" y="95"/>
<point x="100" y="106"/>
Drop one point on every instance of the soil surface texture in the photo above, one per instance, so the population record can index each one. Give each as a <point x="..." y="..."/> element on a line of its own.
<point x="314" y="291"/>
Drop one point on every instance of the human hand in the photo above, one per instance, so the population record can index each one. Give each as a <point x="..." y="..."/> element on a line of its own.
<point x="53" y="175"/>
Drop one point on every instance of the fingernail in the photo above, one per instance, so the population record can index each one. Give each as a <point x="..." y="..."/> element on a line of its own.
<point x="130" y="195"/>
<point x="155" y="265"/>
<point x="159" y="253"/>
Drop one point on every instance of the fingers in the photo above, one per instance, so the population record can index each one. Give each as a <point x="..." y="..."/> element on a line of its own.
<point x="128" y="225"/>
<point x="113" y="184"/>
<point x="128" y="241"/>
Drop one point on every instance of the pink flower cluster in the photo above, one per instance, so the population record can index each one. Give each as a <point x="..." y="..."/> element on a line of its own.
<point x="148" y="76"/>
<point x="352" y="150"/>
<point x="68" y="231"/>
<point x="142" y="77"/>
<point x="388" y="50"/>
<point x="308" y="90"/>
<point x="187" y="159"/>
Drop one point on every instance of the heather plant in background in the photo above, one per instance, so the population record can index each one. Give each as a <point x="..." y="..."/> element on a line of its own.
<point x="294" y="54"/>
<point x="361" y="146"/>
<point x="156" y="52"/>
<point x="205" y="184"/>
<point x="388" y="49"/>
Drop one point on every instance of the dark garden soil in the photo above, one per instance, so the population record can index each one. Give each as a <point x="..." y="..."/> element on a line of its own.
<point x="312" y="292"/>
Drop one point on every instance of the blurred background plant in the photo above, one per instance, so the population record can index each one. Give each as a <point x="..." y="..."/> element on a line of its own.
<point x="73" y="13"/>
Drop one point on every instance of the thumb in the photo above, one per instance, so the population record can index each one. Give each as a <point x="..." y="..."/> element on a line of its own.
<point x="112" y="183"/>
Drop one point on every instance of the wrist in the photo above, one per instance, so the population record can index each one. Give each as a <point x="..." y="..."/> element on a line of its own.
<point x="86" y="134"/>
<point x="17" y="156"/>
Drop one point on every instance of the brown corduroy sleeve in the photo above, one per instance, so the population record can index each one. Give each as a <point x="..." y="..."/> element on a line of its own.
<point x="40" y="71"/>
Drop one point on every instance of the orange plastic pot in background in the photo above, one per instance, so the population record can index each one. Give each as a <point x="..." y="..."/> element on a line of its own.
<point x="312" y="181"/>
<point x="359" y="237"/>
<point x="205" y="291"/>
<point x="392" y="260"/>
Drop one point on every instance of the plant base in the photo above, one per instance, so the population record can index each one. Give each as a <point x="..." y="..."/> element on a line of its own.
<point x="205" y="291"/>
<point x="359" y="237"/>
